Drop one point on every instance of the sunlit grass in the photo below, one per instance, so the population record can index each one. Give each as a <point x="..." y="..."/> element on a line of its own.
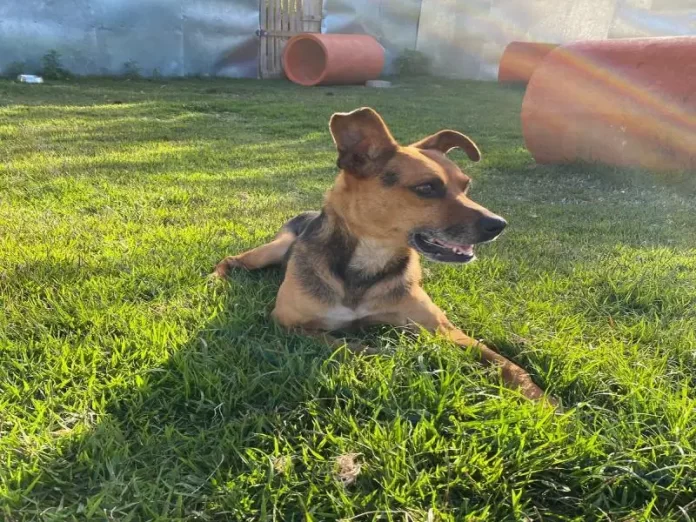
<point x="132" y="389"/>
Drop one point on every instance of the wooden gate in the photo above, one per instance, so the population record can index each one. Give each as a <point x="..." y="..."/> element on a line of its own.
<point x="280" y="20"/>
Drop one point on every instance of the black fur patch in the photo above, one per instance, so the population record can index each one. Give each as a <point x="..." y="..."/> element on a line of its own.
<point x="356" y="283"/>
<point x="284" y="264"/>
<point x="398" y="291"/>
<point x="314" y="284"/>
<point x="339" y="251"/>
<point x="314" y="227"/>
<point x="306" y="266"/>
<point x="335" y="249"/>
<point x="298" y="224"/>
<point x="389" y="178"/>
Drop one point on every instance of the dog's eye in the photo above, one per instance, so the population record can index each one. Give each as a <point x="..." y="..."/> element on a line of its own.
<point x="426" y="189"/>
<point x="431" y="189"/>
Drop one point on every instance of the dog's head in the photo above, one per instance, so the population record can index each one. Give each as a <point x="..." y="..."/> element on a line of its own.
<point x="413" y="193"/>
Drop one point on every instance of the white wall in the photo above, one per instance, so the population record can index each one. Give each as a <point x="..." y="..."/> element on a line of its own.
<point x="465" y="38"/>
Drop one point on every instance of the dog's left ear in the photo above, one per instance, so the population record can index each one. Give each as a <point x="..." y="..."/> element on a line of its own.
<point x="363" y="141"/>
<point x="446" y="140"/>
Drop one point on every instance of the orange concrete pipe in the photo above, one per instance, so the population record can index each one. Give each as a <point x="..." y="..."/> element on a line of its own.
<point x="326" y="59"/>
<point x="618" y="102"/>
<point x="520" y="59"/>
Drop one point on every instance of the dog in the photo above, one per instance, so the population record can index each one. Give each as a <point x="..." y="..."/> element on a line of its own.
<point x="356" y="262"/>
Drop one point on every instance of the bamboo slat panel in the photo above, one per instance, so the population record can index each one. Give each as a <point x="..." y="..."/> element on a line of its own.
<point x="279" y="21"/>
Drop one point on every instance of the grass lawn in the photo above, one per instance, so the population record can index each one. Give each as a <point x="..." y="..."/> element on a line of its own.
<point x="132" y="389"/>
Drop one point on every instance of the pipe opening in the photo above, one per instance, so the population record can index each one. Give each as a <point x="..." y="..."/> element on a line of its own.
<point x="305" y="61"/>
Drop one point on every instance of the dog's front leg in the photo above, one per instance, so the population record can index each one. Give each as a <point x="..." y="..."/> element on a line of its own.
<point x="419" y="309"/>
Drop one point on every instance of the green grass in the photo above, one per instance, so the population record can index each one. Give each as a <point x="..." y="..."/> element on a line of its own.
<point x="132" y="389"/>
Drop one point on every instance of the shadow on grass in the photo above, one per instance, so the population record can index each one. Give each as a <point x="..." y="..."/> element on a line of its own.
<point x="187" y="430"/>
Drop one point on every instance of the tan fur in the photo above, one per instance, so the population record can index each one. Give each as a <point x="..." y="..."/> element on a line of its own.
<point x="381" y="217"/>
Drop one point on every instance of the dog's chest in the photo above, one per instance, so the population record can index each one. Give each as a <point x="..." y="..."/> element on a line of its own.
<point x="340" y="316"/>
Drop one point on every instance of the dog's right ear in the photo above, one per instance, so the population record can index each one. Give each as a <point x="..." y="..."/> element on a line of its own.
<point x="446" y="140"/>
<point x="363" y="141"/>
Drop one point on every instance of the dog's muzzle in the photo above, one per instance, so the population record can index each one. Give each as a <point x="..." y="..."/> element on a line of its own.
<point x="456" y="244"/>
<point x="440" y="250"/>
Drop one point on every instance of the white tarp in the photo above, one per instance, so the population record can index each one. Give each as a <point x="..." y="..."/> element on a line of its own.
<point x="394" y="23"/>
<point x="466" y="38"/>
<point x="167" y="37"/>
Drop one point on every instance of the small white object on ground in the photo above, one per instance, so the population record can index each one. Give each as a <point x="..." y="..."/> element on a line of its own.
<point x="30" y="78"/>
<point x="381" y="84"/>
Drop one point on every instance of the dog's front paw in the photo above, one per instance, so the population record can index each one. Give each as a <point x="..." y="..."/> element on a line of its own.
<point x="223" y="268"/>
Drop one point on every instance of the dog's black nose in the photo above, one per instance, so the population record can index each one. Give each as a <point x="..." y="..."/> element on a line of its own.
<point x="492" y="226"/>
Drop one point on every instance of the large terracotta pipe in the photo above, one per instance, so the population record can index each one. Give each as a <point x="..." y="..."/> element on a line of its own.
<point x="618" y="102"/>
<point x="520" y="59"/>
<point x="325" y="59"/>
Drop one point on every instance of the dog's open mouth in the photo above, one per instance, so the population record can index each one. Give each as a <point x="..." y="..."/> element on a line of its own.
<point x="443" y="251"/>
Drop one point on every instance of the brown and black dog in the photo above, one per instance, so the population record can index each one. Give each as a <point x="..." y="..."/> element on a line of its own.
<point x="357" y="262"/>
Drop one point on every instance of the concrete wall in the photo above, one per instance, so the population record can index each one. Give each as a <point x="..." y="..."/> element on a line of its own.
<point x="169" y="37"/>
<point x="465" y="38"/>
